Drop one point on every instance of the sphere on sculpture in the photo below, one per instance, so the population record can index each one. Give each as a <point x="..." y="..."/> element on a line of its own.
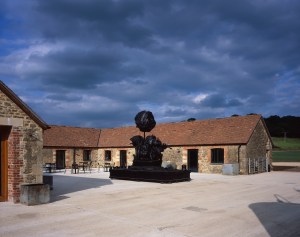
<point x="145" y="121"/>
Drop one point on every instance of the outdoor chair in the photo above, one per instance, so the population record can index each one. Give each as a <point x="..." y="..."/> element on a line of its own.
<point x="89" y="166"/>
<point x="100" y="165"/>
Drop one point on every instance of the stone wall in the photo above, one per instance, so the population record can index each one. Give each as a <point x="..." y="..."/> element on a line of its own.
<point x="25" y="144"/>
<point x="49" y="156"/>
<point x="204" y="158"/>
<point x="259" y="146"/>
<point x="172" y="155"/>
<point x="242" y="159"/>
<point x="115" y="155"/>
<point x="178" y="156"/>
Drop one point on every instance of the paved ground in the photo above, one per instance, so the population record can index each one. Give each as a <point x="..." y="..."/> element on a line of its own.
<point x="265" y="204"/>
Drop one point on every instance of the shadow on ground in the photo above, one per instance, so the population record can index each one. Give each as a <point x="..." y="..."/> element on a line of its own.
<point x="63" y="185"/>
<point x="286" y="168"/>
<point x="280" y="218"/>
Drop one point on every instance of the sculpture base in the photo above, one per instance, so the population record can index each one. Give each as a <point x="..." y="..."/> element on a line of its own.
<point x="147" y="163"/>
<point x="159" y="175"/>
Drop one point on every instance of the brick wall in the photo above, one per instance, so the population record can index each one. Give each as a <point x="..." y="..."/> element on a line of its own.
<point x="25" y="143"/>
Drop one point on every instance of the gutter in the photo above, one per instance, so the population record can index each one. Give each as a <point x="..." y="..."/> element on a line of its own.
<point x="239" y="148"/>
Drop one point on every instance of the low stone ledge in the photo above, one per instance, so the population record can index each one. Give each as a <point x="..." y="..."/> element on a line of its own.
<point x="35" y="194"/>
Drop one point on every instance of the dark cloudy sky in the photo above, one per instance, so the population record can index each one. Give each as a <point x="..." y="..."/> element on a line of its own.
<point x="96" y="63"/>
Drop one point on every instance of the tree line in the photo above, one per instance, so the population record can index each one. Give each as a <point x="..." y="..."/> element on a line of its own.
<point x="288" y="126"/>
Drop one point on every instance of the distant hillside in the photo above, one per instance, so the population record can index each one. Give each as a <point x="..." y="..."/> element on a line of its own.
<point x="281" y="126"/>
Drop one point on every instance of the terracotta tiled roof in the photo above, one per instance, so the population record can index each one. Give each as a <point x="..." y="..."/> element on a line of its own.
<point x="71" y="137"/>
<point x="225" y="131"/>
<point x="118" y="137"/>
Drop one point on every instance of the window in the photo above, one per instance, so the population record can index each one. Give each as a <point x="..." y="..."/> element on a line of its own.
<point x="217" y="155"/>
<point x="107" y="155"/>
<point x="86" y="155"/>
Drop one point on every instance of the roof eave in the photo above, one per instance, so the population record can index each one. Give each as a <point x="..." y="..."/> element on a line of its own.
<point x="208" y="144"/>
<point x="69" y="147"/>
<point x="17" y="100"/>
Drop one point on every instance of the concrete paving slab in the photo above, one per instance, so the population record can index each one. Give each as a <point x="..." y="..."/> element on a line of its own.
<point x="266" y="204"/>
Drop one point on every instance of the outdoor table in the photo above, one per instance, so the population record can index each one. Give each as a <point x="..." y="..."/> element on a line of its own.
<point x="83" y="165"/>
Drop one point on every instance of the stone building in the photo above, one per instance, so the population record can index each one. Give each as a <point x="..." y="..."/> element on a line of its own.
<point x="21" y="135"/>
<point x="65" y="145"/>
<point x="204" y="146"/>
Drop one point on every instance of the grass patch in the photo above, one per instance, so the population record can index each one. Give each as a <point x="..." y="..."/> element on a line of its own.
<point x="286" y="156"/>
<point x="287" y="143"/>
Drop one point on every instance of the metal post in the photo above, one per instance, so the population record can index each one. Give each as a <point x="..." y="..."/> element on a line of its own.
<point x="249" y="170"/>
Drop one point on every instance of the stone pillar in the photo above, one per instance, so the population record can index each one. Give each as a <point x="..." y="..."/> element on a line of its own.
<point x="15" y="165"/>
<point x="184" y="156"/>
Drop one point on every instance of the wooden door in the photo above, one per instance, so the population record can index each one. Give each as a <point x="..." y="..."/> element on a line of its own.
<point x="4" y="133"/>
<point x="123" y="158"/>
<point x="193" y="160"/>
<point x="60" y="159"/>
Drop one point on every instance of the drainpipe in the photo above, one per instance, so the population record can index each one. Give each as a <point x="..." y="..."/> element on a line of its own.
<point x="74" y="154"/>
<point x="239" y="148"/>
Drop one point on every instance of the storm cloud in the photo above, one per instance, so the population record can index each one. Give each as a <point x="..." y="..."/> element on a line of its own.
<point x="97" y="63"/>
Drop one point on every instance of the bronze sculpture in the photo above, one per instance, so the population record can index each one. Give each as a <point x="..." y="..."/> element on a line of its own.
<point x="148" y="157"/>
<point x="148" y="150"/>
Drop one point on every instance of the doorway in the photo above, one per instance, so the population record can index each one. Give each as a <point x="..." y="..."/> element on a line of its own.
<point x="60" y="159"/>
<point x="4" y="133"/>
<point x="123" y="158"/>
<point x="193" y="160"/>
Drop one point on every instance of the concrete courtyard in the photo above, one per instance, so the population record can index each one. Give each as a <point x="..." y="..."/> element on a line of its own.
<point x="265" y="204"/>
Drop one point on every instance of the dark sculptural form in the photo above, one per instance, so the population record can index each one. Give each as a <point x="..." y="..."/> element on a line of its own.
<point x="148" y="157"/>
<point x="148" y="150"/>
<point x="145" y="121"/>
